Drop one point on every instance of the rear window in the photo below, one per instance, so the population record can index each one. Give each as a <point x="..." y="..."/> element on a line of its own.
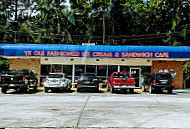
<point x="55" y="76"/>
<point x="120" y="75"/>
<point x="163" y="76"/>
<point x="84" y="77"/>
<point x="18" y="72"/>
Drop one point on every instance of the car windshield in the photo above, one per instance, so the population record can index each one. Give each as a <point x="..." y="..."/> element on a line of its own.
<point x="18" y="72"/>
<point x="86" y="77"/>
<point x="120" y="75"/>
<point x="163" y="76"/>
<point x="55" y="76"/>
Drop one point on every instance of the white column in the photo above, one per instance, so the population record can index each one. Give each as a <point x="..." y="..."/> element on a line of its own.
<point x="73" y="74"/>
<point x="118" y="68"/>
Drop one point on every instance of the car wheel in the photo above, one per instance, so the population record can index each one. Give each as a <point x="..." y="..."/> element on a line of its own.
<point x="112" y="90"/>
<point x="170" y="91"/>
<point x="131" y="90"/>
<point x="4" y="90"/>
<point x="78" y="89"/>
<point x="97" y="89"/>
<point x="36" y="88"/>
<point x="69" y="87"/>
<point x="46" y="89"/>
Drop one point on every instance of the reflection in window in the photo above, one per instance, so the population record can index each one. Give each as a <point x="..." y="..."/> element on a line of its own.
<point x="67" y="69"/>
<point x="146" y="70"/>
<point x="101" y="70"/>
<point x="112" y="69"/>
<point x="91" y="69"/>
<point x="124" y="68"/>
<point x="56" y="68"/>
<point x="45" y="69"/>
<point x="79" y="69"/>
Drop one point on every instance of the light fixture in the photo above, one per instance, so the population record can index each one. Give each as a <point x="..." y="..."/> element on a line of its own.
<point x="46" y="59"/>
<point x="97" y="60"/>
<point x="122" y="60"/>
<point x="71" y="59"/>
<point x="148" y="60"/>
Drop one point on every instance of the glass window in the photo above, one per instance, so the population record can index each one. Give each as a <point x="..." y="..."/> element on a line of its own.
<point x="67" y="69"/>
<point x="145" y="70"/>
<point x="55" y="76"/>
<point x="163" y="75"/>
<point x="45" y="69"/>
<point x="56" y="68"/>
<point x="121" y="75"/>
<point x="101" y="70"/>
<point x="18" y="72"/>
<point x="87" y="77"/>
<point x="124" y="68"/>
<point x="111" y="69"/>
<point x="79" y="69"/>
<point x="90" y="68"/>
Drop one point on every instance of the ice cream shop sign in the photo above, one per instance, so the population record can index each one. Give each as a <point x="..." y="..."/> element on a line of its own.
<point x="97" y="54"/>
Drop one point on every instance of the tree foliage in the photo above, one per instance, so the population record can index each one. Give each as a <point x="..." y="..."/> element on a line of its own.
<point x="127" y="22"/>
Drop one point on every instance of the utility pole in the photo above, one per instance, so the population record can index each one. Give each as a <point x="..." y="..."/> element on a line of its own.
<point x="103" y="28"/>
<point x="16" y="5"/>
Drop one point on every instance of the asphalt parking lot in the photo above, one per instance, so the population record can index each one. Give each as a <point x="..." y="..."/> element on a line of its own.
<point x="94" y="110"/>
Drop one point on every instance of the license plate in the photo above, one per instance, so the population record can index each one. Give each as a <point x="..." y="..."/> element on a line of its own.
<point x="87" y="82"/>
<point x="54" y="81"/>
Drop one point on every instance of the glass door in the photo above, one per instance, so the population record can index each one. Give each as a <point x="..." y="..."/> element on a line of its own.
<point x="135" y="73"/>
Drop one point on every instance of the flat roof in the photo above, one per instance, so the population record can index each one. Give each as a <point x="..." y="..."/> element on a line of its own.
<point x="62" y="50"/>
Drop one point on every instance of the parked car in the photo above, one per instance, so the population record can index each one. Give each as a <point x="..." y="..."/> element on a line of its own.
<point x="19" y="79"/>
<point x="122" y="81"/>
<point x="87" y="81"/>
<point x="158" y="82"/>
<point x="57" y="81"/>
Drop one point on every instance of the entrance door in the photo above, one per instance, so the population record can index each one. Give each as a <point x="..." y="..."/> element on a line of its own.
<point x="135" y="73"/>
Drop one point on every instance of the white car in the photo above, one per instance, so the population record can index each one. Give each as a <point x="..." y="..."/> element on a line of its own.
<point x="57" y="81"/>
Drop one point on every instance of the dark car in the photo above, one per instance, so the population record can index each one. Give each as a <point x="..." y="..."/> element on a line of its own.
<point x="87" y="81"/>
<point x="19" y="79"/>
<point x="158" y="82"/>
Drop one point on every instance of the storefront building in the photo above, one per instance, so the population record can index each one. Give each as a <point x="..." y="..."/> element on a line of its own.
<point x="100" y="60"/>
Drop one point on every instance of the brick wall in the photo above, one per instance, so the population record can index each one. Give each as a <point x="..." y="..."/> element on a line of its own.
<point x="172" y="66"/>
<point x="26" y="63"/>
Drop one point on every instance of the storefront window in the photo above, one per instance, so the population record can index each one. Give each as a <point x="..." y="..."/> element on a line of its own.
<point x="101" y="70"/>
<point x="145" y="70"/>
<point x="124" y="68"/>
<point x="45" y="69"/>
<point x="56" y="68"/>
<point x="91" y="69"/>
<point x="67" y="69"/>
<point x="111" y="69"/>
<point x="79" y="69"/>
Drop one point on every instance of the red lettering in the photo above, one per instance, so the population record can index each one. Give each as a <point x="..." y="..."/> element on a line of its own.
<point x="28" y="53"/>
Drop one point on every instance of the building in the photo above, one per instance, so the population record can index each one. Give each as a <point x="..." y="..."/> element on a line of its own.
<point x="99" y="59"/>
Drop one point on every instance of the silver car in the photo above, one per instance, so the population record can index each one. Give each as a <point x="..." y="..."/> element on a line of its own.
<point x="57" y="81"/>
